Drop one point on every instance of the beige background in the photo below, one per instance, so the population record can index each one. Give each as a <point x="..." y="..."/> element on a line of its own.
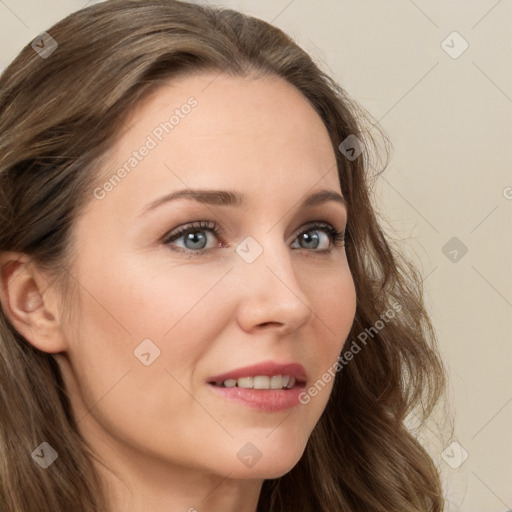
<point x="450" y="122"/>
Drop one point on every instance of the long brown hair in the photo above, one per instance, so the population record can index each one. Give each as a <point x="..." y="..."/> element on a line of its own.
<point x="58" y="117"/>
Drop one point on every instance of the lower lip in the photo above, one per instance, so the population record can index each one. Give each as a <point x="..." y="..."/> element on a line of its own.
<point x="266" y="400"/>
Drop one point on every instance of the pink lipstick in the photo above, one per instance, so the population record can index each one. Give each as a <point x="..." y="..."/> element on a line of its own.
<point x="268" y="386"/>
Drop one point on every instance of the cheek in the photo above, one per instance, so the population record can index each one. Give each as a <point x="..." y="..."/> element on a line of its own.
<point x="184" y="310"/>
<point x="333" y="299"/>
<point x="148" y="302"/>
<point x="127" y="313"/>
<point x="334" y="303"/>
<point x="181" y="315"/>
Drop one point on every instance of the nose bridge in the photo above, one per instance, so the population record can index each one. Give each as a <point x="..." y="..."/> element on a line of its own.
<point x="273" y="293"/>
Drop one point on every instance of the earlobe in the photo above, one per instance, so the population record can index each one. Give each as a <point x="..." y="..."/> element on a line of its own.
<point x="28" y="303"/>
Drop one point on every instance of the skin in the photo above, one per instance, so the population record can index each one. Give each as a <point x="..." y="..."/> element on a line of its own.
<point x="171" y="441"/>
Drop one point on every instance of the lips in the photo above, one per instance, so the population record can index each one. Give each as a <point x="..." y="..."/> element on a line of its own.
<point x="268" y="369"/>
<point x="268" y="387"/>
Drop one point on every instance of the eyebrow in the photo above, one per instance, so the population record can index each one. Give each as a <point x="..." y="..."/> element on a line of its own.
<point x="235" y="199"/>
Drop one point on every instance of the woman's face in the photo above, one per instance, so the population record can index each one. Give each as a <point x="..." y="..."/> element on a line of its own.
<point x="162" y="314"/>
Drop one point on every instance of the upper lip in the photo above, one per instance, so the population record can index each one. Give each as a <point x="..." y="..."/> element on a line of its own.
<point x="268" y="368"/>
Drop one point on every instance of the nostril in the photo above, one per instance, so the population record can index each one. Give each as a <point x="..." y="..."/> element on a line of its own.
<point x="265" y="324"/>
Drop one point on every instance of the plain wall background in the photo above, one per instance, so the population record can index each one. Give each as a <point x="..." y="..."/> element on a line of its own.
<point x="450" y="121"/>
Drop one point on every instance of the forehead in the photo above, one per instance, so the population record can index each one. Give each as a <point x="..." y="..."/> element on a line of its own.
<point x="222" y="131"/>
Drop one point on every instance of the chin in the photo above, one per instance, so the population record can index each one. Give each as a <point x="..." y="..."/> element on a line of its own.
<point x="269" y="461"/>
<point x="261" y="471"/>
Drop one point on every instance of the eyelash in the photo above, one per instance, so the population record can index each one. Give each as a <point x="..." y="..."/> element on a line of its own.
<point x="337" y="237"/>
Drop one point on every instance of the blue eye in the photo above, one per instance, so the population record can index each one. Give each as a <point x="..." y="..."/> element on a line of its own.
<point x="195" y="237"/>
<point x="335" y="237"/>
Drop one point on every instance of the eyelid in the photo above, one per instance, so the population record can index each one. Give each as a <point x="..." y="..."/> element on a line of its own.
<point x="316" y="224"/>
<point x="191" y="226"/>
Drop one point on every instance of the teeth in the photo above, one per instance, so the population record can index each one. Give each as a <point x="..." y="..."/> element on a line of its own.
<point x="261" y="382"/>
<point x="276" y="382"/>
<point x="245" y="382"/>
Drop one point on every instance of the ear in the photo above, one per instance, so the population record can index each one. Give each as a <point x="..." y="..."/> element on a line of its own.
<point x="29" y="302"/>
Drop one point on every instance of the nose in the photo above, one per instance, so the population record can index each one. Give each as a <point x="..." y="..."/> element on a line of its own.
<point x="271" y="293"/>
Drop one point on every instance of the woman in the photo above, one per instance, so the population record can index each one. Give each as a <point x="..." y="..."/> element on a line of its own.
<point x="200" y="310"/>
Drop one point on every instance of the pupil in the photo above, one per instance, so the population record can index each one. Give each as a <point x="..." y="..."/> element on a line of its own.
<point x="194" y="238"/>
<point x="314" y="239"/>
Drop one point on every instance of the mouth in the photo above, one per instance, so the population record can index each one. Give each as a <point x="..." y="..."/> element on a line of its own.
<point x="264" y="375"/>
<point x="267" y="386"/>
<point x="260" y="382"/>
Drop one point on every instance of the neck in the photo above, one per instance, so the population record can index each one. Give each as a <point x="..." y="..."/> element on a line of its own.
<point x="137" y="482"/>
